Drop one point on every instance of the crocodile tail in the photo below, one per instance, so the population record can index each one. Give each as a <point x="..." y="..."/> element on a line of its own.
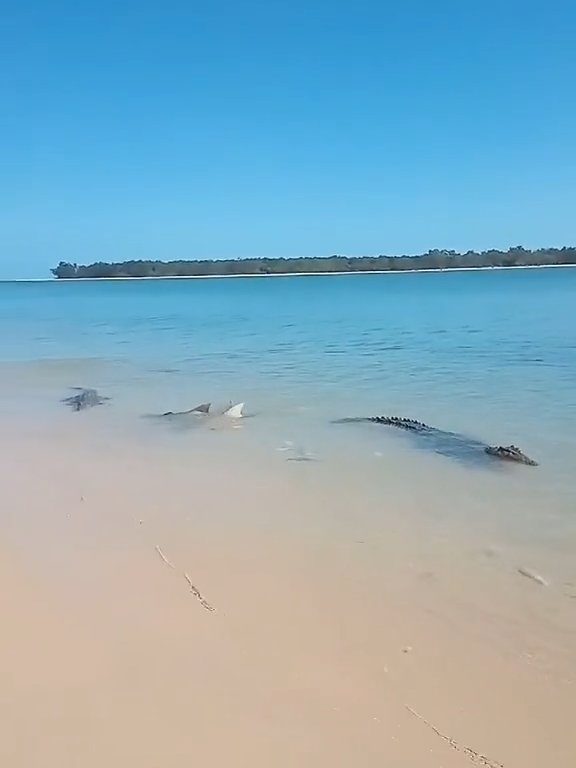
<point x="352" y="420"/>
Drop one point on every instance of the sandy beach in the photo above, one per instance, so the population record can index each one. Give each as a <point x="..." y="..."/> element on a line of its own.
<point x="210" y="606"/>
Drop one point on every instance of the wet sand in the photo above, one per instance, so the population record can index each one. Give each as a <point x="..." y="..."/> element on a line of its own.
<point x="344" y="631"/>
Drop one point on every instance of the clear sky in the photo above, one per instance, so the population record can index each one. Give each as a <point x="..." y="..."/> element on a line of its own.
<point x="231" y="128"/>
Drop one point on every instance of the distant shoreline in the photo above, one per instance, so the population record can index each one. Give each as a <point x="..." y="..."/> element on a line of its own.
<point x="282" y="274"/>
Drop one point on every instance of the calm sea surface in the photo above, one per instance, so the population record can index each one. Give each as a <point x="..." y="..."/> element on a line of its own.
<point x="490" y="354"/>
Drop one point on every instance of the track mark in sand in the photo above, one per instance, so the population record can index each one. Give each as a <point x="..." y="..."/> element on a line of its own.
<point x="471" y="754"/>
<point x="197" y="594"/>
<point x="193" y="588"/>
<point x="163" y="556"/>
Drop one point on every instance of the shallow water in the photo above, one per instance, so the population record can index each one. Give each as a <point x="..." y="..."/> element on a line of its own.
<point x="489" y="354"/>
<point x="362" y="580"/>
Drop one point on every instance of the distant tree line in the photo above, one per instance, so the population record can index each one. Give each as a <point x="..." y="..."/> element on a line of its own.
<point x="433" y="259"/>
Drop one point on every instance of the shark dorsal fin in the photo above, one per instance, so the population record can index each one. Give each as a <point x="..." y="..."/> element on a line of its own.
<point x="202" y="408"/>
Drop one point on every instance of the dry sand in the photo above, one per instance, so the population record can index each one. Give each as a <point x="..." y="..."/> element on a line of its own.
<point x="341" y="636"/>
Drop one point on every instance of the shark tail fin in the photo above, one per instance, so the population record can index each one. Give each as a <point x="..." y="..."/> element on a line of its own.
<point x="234" y="411"/>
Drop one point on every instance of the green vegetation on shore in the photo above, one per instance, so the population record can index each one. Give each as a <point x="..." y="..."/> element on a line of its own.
<point x="434" y="259"/>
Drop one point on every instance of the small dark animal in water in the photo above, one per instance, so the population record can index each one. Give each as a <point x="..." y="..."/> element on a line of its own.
<point x="510" y="453"/>
<point x="202" y="409"/>
<point x="86" y="398"/>
<point x="450" y="444"/>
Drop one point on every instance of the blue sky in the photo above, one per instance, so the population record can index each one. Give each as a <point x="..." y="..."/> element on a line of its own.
<point x="231" y="129"/>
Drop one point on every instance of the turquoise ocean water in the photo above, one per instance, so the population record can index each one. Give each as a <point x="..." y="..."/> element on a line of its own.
<point x="491" y="354"/>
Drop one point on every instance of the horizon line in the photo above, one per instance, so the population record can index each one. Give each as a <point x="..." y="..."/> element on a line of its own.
<point x="281" y="274"/>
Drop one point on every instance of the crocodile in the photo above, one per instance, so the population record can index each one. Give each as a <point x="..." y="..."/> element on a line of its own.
<point x="510" y="453"/>
<point x="451" y="444"/>
<point x="86" y="398"/>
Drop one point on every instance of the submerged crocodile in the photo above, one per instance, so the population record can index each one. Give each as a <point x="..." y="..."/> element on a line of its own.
<point x="86" y="398"/>
<point x="450" y="444"/>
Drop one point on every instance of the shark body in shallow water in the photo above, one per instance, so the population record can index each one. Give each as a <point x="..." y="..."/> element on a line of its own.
<point x="202" y="412"/>
<point x="199" y="410"/>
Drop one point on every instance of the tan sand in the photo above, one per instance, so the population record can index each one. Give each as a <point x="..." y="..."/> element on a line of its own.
<point x="341" y="636"/>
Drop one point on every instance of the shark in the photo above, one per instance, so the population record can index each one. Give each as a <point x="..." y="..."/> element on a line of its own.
<point x="204" y="411"/>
